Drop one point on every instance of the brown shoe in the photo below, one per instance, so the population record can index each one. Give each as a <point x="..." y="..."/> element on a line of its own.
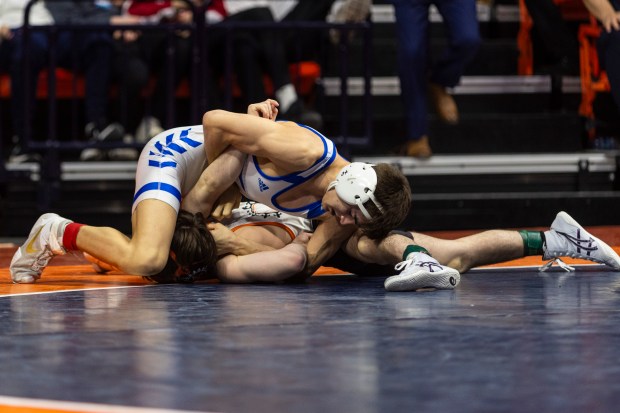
<point x="444" y="104"/>
<point x="417" y="149"/>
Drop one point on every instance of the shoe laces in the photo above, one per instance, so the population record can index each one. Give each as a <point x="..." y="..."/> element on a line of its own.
<point x="587" y="245"/>
<point x="431" y="266"/>
<point x="42" y="260"/>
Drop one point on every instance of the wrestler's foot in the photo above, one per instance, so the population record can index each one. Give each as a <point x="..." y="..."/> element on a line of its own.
<point x="567" y="238"/>
<point x="44" y="241"/>
<point x="422" y="271"/>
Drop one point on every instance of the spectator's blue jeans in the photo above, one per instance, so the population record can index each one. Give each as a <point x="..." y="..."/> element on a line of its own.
<point x="415" y="70"/>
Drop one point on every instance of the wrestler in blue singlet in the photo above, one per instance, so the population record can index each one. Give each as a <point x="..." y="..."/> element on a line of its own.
<point x="172" y="162"/>
<point x="260" y="187"/>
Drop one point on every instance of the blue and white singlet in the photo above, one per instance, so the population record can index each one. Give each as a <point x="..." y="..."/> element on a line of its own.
<point x="169" y="165"/>
<point x="266" y="189"/>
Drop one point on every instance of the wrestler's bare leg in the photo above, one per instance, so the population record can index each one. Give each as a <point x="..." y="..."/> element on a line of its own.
<point x="462" y="254"/>
<point x="146" y="252"/>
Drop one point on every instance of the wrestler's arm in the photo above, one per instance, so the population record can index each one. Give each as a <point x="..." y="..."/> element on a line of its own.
<point x="215" y="191"/>
<point x="213" y="182"/>
<point x="286" y="144"/>
<point x="326" y="240"/>
<point x="228" y="242"/>
<point x="266" y="266"/>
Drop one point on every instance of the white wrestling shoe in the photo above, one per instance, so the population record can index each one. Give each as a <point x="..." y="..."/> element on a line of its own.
<point x="567" y="238"/>
<point x="44" y="241"/>
<point x="422" y="271"/>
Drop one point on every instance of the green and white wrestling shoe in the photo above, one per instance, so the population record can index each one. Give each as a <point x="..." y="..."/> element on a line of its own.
<point x="419" y="271"/>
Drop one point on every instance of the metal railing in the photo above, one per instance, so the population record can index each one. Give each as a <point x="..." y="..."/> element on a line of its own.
<point x="51" y="146"/>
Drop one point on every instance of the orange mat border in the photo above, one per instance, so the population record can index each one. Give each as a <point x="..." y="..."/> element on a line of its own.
<point x="74" y="273"/>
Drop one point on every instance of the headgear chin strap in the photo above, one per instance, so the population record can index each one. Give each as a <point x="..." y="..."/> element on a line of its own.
<point x="355" y="185"/>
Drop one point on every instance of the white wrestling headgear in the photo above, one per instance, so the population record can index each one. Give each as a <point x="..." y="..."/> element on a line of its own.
<point x="356" y="184"/>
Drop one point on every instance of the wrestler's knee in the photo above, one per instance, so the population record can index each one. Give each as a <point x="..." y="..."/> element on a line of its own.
<point x="461" y="262"/>
<point x="149" y="262"/>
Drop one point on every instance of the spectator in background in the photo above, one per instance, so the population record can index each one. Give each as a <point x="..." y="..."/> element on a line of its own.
<point x="11" y="21"/>
<point x="299" y="44"/>
<point x="559" y="43"/>
<point x="140" y="54"/>
<point x="305" y="45"/>
<point x="91" y="50"/>
<point x="6" y="35"/>
<point x="607" y="12"/>
<point x="415" y="70"/>
<point x="258" y="52"/>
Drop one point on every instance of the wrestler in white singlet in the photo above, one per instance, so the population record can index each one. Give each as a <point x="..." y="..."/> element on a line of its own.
<point x="169" y="165"/>
<point x="251" y="213"/>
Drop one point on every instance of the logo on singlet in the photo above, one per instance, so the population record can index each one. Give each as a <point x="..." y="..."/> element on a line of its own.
<point x="261" y="185"/>
<point x="165" y="149"/>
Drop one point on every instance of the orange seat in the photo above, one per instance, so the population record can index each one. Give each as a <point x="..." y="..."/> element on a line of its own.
<point x="303" y="76"/>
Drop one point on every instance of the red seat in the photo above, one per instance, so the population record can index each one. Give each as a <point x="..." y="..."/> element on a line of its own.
<point x="303" y="76"/>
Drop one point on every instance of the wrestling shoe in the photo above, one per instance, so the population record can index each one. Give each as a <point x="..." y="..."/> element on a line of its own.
<point x="567" y="238"/>
<point x="44" y="241"/>
<point x="422" y="271"/>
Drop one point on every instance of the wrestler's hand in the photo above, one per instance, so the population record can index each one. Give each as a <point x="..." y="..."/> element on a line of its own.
<point x="302" y="238"/>
<point x="225" y="239"/>
<point x="228" y="201"/>
<point x="267" y="109"/>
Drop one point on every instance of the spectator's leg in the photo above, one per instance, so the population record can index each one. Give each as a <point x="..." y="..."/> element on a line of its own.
<point x="552" y="31"/>
<point x="131" y="71"/>
<point x="305" y="45"/>
<point x="37" y="54"/>
<point x="246" y="57"/>
<point x="96" y="50"/>
<point x="253" y="55"/>
<point x="272" y="48"/>
<point x="170" y="73"/>
<point x="412" y="37"/>
<point x="461" y="22"/>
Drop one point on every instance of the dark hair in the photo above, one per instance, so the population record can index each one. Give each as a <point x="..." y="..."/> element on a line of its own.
<point x="193" y="252"/>
<point x="394" y="194"/>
